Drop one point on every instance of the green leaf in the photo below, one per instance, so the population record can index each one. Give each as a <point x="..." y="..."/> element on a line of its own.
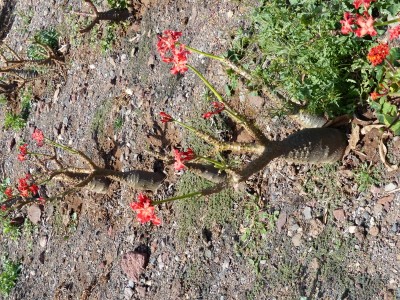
<point x="396" y="128"/>
<point x="387" y="119"/>
<point x="388" y="108"/>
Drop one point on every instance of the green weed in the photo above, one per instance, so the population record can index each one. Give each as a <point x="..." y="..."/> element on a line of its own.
<point x="46" y="37"/>
<point x="18" y="121"/>
<point x="14" y="121"/>
<point x="9" y="276"/>
<point x="118" y="123"/>
<point x="194" y="213"/>
<point x="366" y="175"/>
<point x="3" y="99"/>
<point x="26" y="17"/>
<point x="109" y="37"/>
<point x="119" y="4"/>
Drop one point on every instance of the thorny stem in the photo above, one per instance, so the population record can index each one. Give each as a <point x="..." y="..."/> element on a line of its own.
<point x="73" y="151"/>
<point x="221" y="146"/>
<point x="217" y="164"/>
<point x="223" y="60"/>
<point x="209" y="191"/>
<point x="249" y="126"/>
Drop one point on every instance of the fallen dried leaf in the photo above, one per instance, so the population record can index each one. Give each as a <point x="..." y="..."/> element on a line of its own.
<point x="353" y="140"/>
<point x="385" y="201"/>
<point x="368" y="128"/>
<point x="383" y="152"/>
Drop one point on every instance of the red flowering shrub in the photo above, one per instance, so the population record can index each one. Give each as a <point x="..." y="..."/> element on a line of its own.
<point x="378" y="54"/>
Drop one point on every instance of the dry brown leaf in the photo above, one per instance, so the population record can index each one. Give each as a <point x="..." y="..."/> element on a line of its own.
<point x="383" y="152"/>
<point x="368" y="128"/>
<point x="353" y="140"/>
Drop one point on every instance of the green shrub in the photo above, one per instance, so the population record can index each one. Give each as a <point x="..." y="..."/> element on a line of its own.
<point x="299" y="50"/>
<point x="48" y="37"/>
<point x="9" y="276"/>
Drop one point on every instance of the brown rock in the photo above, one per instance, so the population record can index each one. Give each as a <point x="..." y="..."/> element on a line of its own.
<point x="316" y="227"/>
<point x="339" y="215"/>
<point x="281" y="221"/>
<point x="34" y="213"/>
<point x="374" y="231"/>
<point x="133" y="264"/>
<point x="385" y="201"/>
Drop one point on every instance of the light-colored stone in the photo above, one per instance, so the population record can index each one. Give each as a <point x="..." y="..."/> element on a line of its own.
<point x="307" y="213"/>
<point x="390" y="187"/>
<point x="296" y="239"/>
<point x="352" y="229"/>
<point x="339" y="215"/>
<point x="374" y="231"/>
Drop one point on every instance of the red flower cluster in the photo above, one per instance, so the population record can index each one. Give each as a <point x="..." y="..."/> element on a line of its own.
<point x="365" y="23"/>
<point x="394" y="32"/>
<point x="144" y="210"/>
<point x="365" y="3"/>
<point x="8" y="192"/>
<point x="3" y="207"/>
<point x="24" y="188"/>
<point x="38" y="136"/>
<point x="166" y="44"/>
<point x="165" y="118"/>
<point x="219" y="107"/>
<point x="378" y="54"/>
<point x="181" y="156"/>
<point x="23" y="151"/>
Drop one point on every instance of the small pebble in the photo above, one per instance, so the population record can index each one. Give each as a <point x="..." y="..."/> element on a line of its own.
<point x="307" y="213"/>
<point x="374" y="231"/>
<point x="390" y="187"/>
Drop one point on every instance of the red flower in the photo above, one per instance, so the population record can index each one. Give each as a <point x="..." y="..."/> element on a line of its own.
<point x="366" y="23"/>
<point x="165" y="118"/>
<point x="38" y="136"/>
<point x="180" y="157"/>
<point x="23" y="151"/>
<point x="22" y="184"/>
<point x="166" y="42"/>
<point x="378" y="54"/>
<point x="394" y="32"/>
<point x="24" y="188"/>
<point x="8" y="192"/>
<point x="365" y="3"/>
<point x="180" y="60"/>
<point x="24" y="193"/>
<point x="376" y="95"/>
<point x="348" y="20"/>
<point x="21" y="157"/>
<point x="34" y="189"/>
<point x="144" y="210"/>
<point x="3" y="207"/>
<point x="219" y="107"/>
